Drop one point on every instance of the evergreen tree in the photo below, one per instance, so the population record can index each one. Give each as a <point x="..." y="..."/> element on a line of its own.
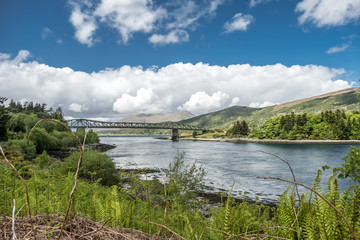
<point x="4" y="118"/>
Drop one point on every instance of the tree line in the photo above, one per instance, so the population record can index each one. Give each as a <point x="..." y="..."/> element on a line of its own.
<point x="337" y="125"/>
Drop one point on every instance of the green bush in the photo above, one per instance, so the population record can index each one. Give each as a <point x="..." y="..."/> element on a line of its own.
<point x="43" y="160"/>
<point x="23" y="147"/>
<point x="96" y="166"/>
<point x="184" y="180"/>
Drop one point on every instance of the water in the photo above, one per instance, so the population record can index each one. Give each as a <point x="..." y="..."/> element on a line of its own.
<point x="225" y="162"/>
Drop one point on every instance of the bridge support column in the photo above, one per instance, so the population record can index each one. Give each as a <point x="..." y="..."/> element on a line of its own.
<point x="175" y="134"/>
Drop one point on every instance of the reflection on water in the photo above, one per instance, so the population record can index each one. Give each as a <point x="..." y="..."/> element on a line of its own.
<point x="225" y="162"/>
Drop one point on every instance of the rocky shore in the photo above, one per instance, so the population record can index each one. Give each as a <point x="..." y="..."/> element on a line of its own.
<point x="64" y="153"/>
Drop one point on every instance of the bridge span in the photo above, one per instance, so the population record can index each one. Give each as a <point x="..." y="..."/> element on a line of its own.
<point x="175" y="127"/>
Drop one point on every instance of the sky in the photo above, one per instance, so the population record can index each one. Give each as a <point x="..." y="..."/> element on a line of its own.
<point x="107" y="59"/>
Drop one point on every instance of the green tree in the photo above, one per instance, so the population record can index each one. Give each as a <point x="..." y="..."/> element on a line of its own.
<point x="185" y="178"/>
<point x="4" y="118"/>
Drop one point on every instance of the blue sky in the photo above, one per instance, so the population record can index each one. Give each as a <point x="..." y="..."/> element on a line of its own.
<point x="147" y="56"/>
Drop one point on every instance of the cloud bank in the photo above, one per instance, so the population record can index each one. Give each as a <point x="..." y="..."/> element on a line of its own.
<point x="199" y="88"/>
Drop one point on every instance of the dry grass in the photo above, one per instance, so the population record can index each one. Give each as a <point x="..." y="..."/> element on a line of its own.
<point x="48" y="227"/>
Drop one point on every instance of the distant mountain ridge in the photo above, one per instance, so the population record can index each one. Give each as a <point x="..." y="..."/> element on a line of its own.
<point x="157" y="118"/>
<point x="346" y="99"/>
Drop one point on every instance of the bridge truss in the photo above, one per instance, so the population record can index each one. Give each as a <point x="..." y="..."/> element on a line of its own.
<point x="175" y="127"/>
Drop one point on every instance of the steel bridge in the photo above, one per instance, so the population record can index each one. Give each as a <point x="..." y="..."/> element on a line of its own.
<point x="175" y="127"/>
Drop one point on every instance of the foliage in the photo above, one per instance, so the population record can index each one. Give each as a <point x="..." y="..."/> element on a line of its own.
<point x="96" y="166"/>
<point x="238" y="128"/>
<point x="351" y="167"/>
<point x="312" y="218"/>
<point x="315" y="219"/>
<point x="38" y="109"/>
<point x="184" y="179"/>
<point x="4" y="117"/>
<point x="194" y="134"/>
<point x="43" y="160"/>
<point x="325" y="125"/>
<point x="23" y="147"/>
<point x="91" y="136"/>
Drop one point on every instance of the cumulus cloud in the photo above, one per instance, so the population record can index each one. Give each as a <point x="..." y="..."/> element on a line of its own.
<point x="337" y="49"/>
<point x="239" y="22"/>
<point x="328" y="12"/>
<point x="145" y="101"/>
<point x="175" y="36"/>
<point x="114" y="93"/>
<point x="129" y="16"/>
<point x="201" y="102"/>
<point x="84" y="23"/>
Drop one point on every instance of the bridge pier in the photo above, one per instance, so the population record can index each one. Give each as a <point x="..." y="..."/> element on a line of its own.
<point x="175" y="134"/>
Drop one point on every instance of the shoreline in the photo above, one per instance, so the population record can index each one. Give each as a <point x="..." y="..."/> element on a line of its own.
<point x="251" y="140"/>
<point x="271" y="141"/>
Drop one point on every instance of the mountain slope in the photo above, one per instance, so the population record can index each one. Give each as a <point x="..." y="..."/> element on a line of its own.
<point x="218" y="118"/>
<point x="347" y="99"/>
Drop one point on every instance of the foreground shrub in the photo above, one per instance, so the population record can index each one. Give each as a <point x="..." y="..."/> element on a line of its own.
<point x="96" y="166"/>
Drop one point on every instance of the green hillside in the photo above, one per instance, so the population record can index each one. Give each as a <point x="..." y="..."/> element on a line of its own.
<point x="347" y="99"/>
<point x="219" y="118"/>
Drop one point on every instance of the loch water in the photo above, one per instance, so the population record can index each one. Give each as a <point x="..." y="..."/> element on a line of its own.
<point x="226" y="162"/>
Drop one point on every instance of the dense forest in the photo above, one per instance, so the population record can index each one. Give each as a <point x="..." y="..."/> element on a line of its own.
<point x="336" y="125"/>
<point x="325" y="125"/>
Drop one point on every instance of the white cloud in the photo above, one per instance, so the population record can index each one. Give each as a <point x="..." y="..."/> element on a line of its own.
<point x="22" y="56"/>
<point x="261" y="105"/>
<point x="129" y="16"/>
<point x="337" y="49"/>
<point x="328" y="12"/>
<point x="4" y="56"/>
<point x="113" y="93"/>
<point x="253" y="3"/>
<point x="74" y="107"/>
<point x="45" y="33"/>
<point x="239" y="22"/>
<point x="201" y="102"/>
<point x="145" y="101"/>
<point x="235" y="101"/>
<point x="176" y="18"/>
<point x="84" y="23"/>
<point x="175" y="36"/>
